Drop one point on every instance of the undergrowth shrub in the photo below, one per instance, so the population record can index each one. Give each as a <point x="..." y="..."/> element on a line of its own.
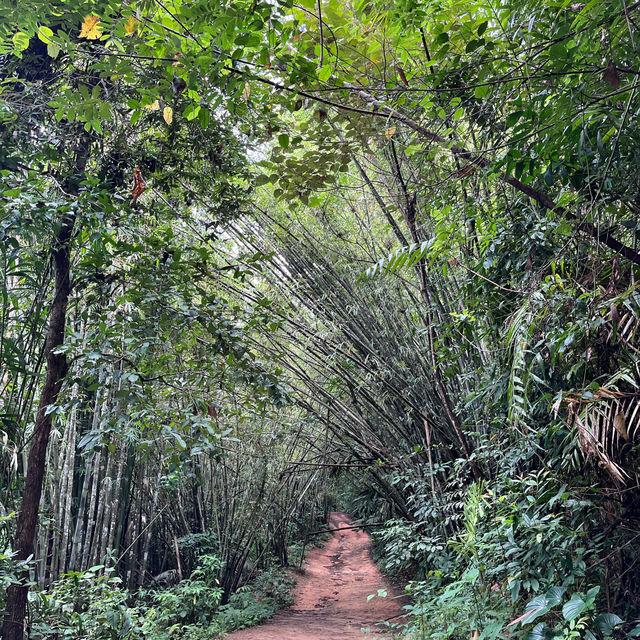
<point x="524" y="559"/>
<point x="92" y="605"/>
<point x="85" y="604"/>
<point x="251" y="604"/>
<point x="176" y="612"/>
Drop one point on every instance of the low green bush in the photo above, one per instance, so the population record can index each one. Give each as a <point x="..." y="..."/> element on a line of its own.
<point x="85" y="604"/>
<point x="92" y="605"/>
<point x="250" y="605"/>
<point x="191" y="603"/>
<point x="524" y="562"/>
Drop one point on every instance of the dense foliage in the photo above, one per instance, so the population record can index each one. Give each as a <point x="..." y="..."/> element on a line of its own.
<point x="260" y="258"/>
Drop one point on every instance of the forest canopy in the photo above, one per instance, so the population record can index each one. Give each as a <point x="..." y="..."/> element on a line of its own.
<point x="264" y="259"/>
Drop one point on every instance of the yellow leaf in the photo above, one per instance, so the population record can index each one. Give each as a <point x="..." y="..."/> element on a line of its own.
<point x="131" y="24"/>
<point x="154" y="106"/>
<point x="90" y="28"/>
<point x="390" y="132"/>
<point x="246" y="92"/>
<point x="167" y="114"/>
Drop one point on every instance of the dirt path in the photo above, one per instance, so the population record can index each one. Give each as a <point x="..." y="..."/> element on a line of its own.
<point x="331" y="595"/>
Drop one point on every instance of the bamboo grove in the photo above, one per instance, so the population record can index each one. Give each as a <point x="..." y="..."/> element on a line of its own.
<point x="264" y="259"/>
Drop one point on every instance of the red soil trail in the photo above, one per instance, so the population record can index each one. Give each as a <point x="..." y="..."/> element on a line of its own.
<point x="331" y="595"/>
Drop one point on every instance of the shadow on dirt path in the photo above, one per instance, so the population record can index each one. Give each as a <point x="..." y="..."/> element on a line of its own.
<point x="331" y="595"/>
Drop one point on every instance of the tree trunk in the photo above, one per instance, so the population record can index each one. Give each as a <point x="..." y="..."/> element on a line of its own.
<point x="91" y="515"/>
<point x="27" y="524"/>
<point x="67" y="492"/>
<point x="148" y="529"/>
<point x="14" y="621"/>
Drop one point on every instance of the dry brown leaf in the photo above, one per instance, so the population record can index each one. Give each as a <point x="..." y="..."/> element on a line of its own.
<point x="466" y="171"/>
<point x="610" y="75"/>
<point x="614" y="316"/>
<point x="619" y="423"/>
<point x="139" y="185"/>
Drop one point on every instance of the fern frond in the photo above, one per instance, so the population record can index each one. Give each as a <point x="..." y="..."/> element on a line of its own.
<point x="521" y="328"/>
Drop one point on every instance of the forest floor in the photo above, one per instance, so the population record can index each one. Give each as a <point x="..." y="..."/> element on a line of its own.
<point x="331" y="594"/>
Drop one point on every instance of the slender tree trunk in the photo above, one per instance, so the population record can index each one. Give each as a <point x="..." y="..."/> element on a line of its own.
<point x="76" y="541"/>
<point x="62" y="492"/>
<point x="91" y="516"/>
<point x="82" y="518"/>
<point x="133" y="554"/>
<point x="109" y="535"/>
<point x="14" y="621"/>
<point x="67" y="492"/>
<point x="104" y="497"/>
<point x="149" y="530"/>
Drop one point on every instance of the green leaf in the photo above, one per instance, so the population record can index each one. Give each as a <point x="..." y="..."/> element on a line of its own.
<point x="574" y="607"/>
<point x="283" y="140"/>
<point x="591" y="595"/>
<point x="607" y="622"/>
<point x="538" y="632"/>
<point x="53" y="50"/>
<point x="558" y="51"/>
<point x="512" y="118"/>
<point x="554" y="596"/>
<point x="471" y="574"/>
<point x="20" y="42"/>
<point x="324" y="73"/>
<point x="482" y="91"/>
<point x="538" y="607"/>
<point x="179" y="439"/>
<point x="191" y="112"/>
<point x="204" y="117"/>
<point x="44" y="34"/>
<point x="472" y="45"/>
<point x="491" y="631"/>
